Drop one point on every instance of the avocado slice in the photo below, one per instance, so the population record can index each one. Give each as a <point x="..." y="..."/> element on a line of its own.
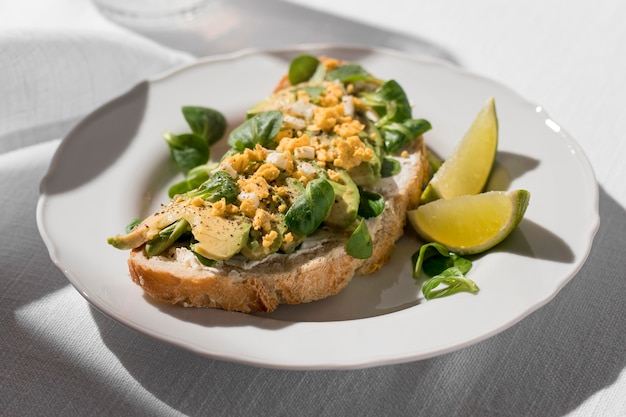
<point x="218" y="237"/>
<point x="254" y="248"/>
<point x="291" y="245"/>
<point x="343" y="212"/>
<point x="367" y="174"/>
<point x="148" y="229"/>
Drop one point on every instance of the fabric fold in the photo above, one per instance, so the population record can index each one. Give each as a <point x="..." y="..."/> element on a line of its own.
<point x="51" y="79"/>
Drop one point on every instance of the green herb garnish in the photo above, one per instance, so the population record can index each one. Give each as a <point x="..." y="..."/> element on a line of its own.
<point x="167" y="237"/>
<point x="302" y="68"/>
<point x="205" y="122"/>
<point x="188" y="150"/>
<point x="371" y="204"/>
<point x="219" y="186"/>
<point x="396" y="122"/>
<point x="260" y="129"/>
<point x="360" y="244"/>
<point x="311" y="207"/>
<point x="446" y="271"/>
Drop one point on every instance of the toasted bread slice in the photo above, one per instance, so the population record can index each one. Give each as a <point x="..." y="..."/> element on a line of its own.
<point x="321" y="268"/>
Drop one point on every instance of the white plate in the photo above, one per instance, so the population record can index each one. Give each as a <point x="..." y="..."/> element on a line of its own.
<point x="114" y="166"/>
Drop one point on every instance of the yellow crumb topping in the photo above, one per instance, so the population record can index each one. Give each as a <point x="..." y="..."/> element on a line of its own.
<point x="330" y="63"/>
<point x="351" y="152"/>
<point x="349" y="128"/>
<point x="325" y="118"/>
<point x="268" y="171"/>
<point x="248" y="207"/>
<point x="324" y="154"/>
<point x="269" y="238"/>
<point x="358" y="103"/>
<point x="261" y="220"/>
<point x="221" y="209"/>
<point x="282" y="191"/>
<point x="256" y="185"/>
<point x="331" y="96"/>
<point x="289" y="144"/>
<point x="334" y="175"/>
<point x="259" y="153"/>
<point x="284" y="133"/>
<point x="302" y="95"/>
<point x="303" y="177"/>
<point x="241" y="161"/>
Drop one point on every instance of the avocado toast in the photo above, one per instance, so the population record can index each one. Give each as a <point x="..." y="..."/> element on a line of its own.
<point x="314" y="190"/>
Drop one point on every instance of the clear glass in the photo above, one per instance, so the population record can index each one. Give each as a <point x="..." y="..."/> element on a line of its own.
<point x="146" y="12"/>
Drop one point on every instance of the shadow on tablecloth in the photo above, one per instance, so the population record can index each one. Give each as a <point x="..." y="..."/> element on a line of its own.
<point x="228" y="26"/>
<point x="548" y="364"/>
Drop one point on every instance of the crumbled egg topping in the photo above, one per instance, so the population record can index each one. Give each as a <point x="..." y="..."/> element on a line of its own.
<point x="269" y="238"/>
<point x="290" y="143"/>
<point x="248" y="206"/>
<point x="348" y="128"/>
<point x="261" y="221"/>
<point x="351" y="152"/>
<point x="325" y="118"/>
<point x="242" y="163"/>
<point x="333" y="138"/>
<point x="348" y="150"/>
<point x="221" y="209"/>
<point x="330" y="63"/>
<point x="332" y="94"/>
<point x="255" y="184"/>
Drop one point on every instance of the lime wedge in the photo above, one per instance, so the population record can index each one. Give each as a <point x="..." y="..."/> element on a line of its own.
<point x="470" y="224"/>
<point x="467" y="168"/>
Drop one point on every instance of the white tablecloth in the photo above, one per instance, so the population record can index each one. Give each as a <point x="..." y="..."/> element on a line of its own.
<point x="59" y="356"/>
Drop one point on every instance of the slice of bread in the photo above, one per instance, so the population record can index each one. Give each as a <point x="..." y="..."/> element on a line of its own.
<point x="319" y="269"/>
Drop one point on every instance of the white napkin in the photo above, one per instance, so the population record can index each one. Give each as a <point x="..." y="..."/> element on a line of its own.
<point x="51" y="78"/>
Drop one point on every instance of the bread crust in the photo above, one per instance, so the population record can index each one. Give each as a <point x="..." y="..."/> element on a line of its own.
<point x="301" y="277"/>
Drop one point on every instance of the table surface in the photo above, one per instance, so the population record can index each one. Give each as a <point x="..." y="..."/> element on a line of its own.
<point x="60" y="356"/>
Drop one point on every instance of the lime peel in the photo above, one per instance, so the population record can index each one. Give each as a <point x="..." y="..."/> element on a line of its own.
<point x="467" y="168"/>
<point x="470" y="224"/>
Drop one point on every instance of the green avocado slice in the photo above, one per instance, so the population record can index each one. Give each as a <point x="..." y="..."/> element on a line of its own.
<point x="343" y="212"/>
<point x="218" y="237"/>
